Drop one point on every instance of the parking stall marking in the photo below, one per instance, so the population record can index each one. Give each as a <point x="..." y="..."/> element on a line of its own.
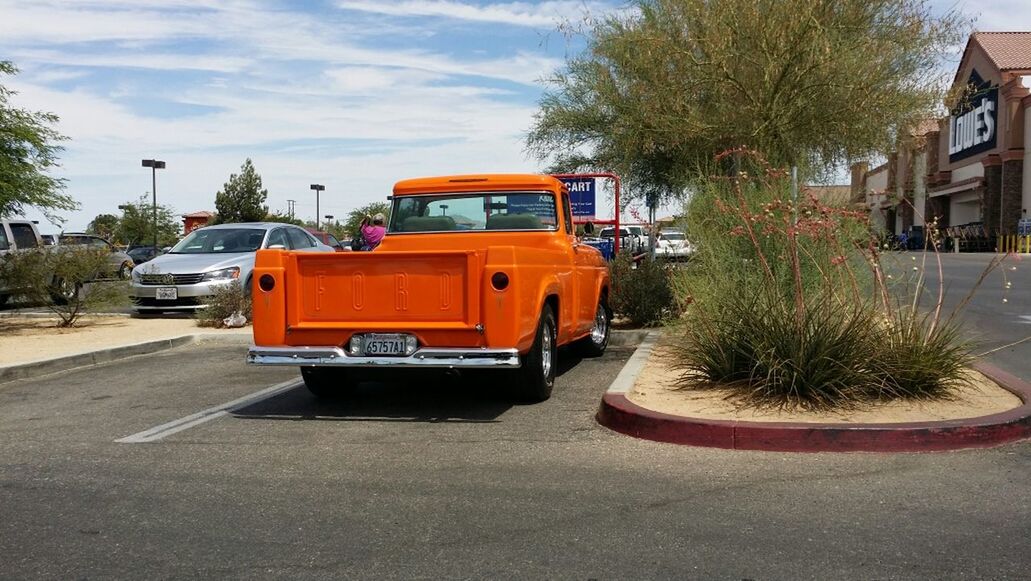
<point x="213" y="413"/>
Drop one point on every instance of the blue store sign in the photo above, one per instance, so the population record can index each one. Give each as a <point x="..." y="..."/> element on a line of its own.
<point x="581" y="196"/>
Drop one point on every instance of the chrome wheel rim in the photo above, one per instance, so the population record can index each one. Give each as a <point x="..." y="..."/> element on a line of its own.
<point x="546" y="351"/>
<point x="601" y="326"/>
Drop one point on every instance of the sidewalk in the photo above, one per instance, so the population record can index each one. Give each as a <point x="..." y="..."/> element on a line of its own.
<point x="31" y="346"/>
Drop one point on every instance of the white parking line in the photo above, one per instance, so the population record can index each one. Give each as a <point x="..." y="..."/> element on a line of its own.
<point x="213" y="413"/>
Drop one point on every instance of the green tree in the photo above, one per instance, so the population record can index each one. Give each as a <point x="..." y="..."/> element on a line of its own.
<point x="104" y="225"/>
<point x="354" y="217"/>
<point x="284" y="218"/>
<point x="242" y="198"/>
<point x="136" y="226"/>
<point x="28" y="150"/>
<point x="660" y="90"/>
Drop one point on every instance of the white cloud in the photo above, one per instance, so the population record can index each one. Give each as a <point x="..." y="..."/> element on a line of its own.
<point x="532" y="14"/>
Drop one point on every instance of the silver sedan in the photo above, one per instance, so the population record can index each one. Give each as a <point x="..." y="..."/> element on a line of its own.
<point x="186" y="277"/>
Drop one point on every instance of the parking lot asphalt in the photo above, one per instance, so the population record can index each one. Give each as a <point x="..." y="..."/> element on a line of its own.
<point x="433" y="478"/>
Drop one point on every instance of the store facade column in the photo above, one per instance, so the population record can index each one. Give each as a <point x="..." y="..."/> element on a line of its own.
<point x="1012" y="190"/>
<point x="991" y="197"/>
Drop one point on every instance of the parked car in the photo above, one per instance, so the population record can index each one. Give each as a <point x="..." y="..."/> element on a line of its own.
<point x="16" y="235"/>
<point x="188" y="275"/>
<point x="641" y="234"/>
<point x="673" y="245"/>
<point x="141" y="254"/>
<point x="329" y="240"/>
<point x="500" y="293"/>
<point x="627" y="240"/>
<point x="119" y="263"/>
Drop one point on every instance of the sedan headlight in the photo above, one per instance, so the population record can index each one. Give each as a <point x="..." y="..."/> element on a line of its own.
<point x="231" y="273"/>
<point x="135" y="275"/>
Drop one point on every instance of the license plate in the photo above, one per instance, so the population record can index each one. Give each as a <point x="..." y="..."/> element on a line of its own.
<point x="166" y="293"/>
<point x="385" y="345"/>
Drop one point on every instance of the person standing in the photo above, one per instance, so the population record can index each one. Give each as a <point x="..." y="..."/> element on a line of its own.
<point x="373" y="230"/>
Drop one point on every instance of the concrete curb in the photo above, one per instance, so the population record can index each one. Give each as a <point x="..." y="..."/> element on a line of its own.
<point x="620" y="414"/>
<point x="32" y="369"/>
<point x="627" y="337"/>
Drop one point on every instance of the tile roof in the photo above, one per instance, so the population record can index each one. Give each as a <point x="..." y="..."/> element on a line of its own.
<point x="1007" y="50"/>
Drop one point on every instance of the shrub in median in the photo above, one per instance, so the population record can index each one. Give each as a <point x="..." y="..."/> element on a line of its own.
<point x="791" y="307"/>
<point x="644" y="295"/>
<point x="68" y="280"/>
<point x="228" y="301"/>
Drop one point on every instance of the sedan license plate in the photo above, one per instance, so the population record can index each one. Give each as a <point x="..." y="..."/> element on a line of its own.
<point x="166" y="293"/>
<point x="385" y="345"/>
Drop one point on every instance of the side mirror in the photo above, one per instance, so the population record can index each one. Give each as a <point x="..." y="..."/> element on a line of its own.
<point x="589" y="228"/>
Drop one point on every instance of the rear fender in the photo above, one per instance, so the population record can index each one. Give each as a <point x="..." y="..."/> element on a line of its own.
<point x="269" y="306"/>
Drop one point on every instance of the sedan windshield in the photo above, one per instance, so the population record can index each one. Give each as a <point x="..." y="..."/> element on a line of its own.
<point x="220" y="241"/>
<point x="673" y="236"/>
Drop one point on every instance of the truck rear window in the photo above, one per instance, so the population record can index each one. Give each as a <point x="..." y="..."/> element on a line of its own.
<point x="474" y="212"/>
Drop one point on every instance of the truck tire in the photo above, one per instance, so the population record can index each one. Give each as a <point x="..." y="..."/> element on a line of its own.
<point x="325" y="383"/>
<point x="535" y="377"/>
<point x="594" y="344"/>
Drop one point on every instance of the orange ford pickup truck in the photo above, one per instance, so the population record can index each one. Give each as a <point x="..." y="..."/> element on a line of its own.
<point x="475" y="272"/>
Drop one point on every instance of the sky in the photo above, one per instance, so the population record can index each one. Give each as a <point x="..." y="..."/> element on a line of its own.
<point x="351" y="94"/>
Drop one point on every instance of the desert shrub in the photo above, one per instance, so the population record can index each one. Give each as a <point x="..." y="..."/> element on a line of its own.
<point x="66" y="280"/>
<point x="227" y="301"/>
<point x="644" y="295"/>
<point x="791" y="307"/>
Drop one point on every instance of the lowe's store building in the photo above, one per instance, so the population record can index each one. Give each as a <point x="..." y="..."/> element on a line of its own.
<point x="966" y="170"/>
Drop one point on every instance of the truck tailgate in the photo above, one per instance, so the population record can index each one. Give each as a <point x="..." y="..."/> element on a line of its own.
<point x="385" y="290"/>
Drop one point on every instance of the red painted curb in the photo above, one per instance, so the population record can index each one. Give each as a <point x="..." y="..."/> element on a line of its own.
<point x="622" y="415"/>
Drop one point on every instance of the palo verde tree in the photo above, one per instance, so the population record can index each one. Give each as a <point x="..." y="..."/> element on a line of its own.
<point x="355" y="217"/>
<point x="242" y="198"/>
<point x="660" y="90"/>
<point x="136" y="226"/>
<point x="28" y="150"/>
<point x="104" y="225"/>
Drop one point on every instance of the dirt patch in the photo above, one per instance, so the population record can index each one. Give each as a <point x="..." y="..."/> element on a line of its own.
<point x="23" y="340"/>
<point x="656" y="389"/>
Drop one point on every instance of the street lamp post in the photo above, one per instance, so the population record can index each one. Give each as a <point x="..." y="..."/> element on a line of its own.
<point x="329" y="218"/>
<point x="154" y="165"/>
<point x="318" y="188"/>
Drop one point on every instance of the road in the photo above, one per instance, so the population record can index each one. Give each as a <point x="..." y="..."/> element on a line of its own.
<point x="451" y="480"/>
<point x="996" y="315"/>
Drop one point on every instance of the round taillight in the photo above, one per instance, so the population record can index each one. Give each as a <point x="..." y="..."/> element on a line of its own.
<point x="267" y="282"/>
<point x="499" y="281"/>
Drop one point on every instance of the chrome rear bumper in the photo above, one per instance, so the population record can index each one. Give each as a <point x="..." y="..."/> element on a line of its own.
<point x="461" y="358"/>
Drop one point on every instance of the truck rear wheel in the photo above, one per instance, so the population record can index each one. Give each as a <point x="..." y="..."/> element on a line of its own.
<point x="536" y="375"/>
<point x="325" y="382"/>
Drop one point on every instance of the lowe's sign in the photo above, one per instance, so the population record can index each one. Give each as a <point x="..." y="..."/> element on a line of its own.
<point x="973" y="123"/>
<point x="581" y="197"/>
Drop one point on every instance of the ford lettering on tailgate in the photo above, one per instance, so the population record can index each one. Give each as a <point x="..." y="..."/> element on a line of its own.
<point x="404" y="288"/>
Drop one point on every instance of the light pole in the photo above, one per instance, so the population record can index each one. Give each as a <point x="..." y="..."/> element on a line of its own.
<point x="318" y="188"/>
<point x="154" y="165"/>
<point x="329" y="217"/>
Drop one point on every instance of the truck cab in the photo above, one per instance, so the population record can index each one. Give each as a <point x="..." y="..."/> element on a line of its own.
<point x="475" y="272"/>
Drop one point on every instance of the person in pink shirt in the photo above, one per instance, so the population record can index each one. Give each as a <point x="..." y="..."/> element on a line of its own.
<point x="373" y="232"/>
